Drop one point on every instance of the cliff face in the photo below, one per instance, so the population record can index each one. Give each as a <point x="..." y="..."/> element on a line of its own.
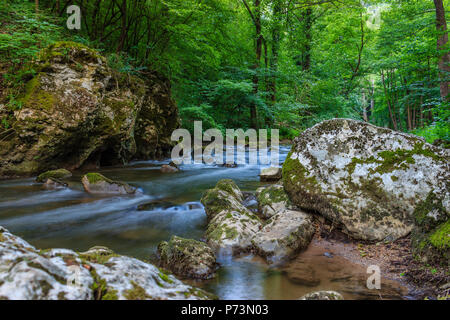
<point x="77" y="111"/>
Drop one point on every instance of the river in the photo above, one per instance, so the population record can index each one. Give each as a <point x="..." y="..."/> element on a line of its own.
<point x="134" y="225"/>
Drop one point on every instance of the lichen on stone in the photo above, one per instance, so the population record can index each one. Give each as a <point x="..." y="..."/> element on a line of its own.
<point x="367" y="180"/>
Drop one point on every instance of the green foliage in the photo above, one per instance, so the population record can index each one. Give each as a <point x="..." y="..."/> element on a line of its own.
<point x="440" y="128"/>
<point x="190" y="114"/>
<point x="23" y="34"/>
<point x="375" y="61"/>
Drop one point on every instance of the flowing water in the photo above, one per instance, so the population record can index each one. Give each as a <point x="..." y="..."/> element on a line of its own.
<point x="169" y="205"/>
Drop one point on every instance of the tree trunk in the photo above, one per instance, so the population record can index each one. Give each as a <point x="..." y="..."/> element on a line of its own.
<point x="372" y="99"/>
<point x="364" y="105"/>
<point x="388" y="99"/>
<point x="123" y="32"/>
<point x="444" y="67"/>
<point x="306" y="64"/>
<point x="276" y="37"/>
<point x="258" y="50"/>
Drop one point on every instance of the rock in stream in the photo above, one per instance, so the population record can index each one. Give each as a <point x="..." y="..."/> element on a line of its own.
<point x="61" y="274"/>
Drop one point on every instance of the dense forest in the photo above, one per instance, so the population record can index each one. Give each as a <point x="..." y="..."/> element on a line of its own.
<point x="285" y="64"/>
<point x="92" y="93"/>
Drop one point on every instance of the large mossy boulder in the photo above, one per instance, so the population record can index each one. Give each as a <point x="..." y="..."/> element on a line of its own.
<point x="187" y="258"/>
<point x="231" y="226"/>
<point x="99" y="273"/>
<point x="97" y="183"/>
<point x="367" y="179"/>
<point x="75" y="110"/>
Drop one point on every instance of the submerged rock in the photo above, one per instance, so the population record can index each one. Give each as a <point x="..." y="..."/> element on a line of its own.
<point x="98" y="184"/>
<point x="61" y="274"/>
<point x="187" y="258"/>
<point x="231" y="226"/>
<point x="368" y="179"/>
<point x="53" y="183"/>
<point x="323" y="295"/>
<point x="229" y="165"/>
<point x="303" y="273"/>
<point x="270" y="174"/>
<point x="285" y="234"/>
<point x="250" y="201"/>
<point x="78" y="111"/>
<point x="59" y="174"/>
<point x="156" y="204"/>
<point x="169" y="168"/>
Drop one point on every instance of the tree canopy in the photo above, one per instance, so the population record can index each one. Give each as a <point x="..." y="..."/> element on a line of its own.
<point x="284" y="64"/>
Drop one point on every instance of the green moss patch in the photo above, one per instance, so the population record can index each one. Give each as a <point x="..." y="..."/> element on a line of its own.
<point x="59" y="174"/>
<point x="215" y="202"/>
<point x="399" y="159"/>
<point x="35" y="97"/>
<point x="295" y="173"/>
<point x="94" y="178"/>
<point x="68" y="51"/>
<point x="440" y="239"/>
<point x="272" y="194"/>
<point x="227" y="185"/>
<point x="98" y="257"/>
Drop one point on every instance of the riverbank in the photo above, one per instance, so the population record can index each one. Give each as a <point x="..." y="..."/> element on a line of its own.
<point x="395" y="259"/>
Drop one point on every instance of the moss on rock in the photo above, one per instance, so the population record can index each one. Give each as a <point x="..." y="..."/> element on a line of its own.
<point x="440" y="238"/>
<point x="231" y="224"/>
<point x="59" y="174"/>
<point x="294" y="173"/>
<point x="97" y="183"/>
<point x="400" y="159"/>
<point x="100" y="255"/>
<point x="94" y="178"/>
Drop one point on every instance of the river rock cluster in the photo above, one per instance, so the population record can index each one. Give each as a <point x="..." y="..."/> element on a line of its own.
<point x="76" y="111"/>
<point x="374" y="183"/>
<point x="233" y="228"/>
<point x="97" y="274"/>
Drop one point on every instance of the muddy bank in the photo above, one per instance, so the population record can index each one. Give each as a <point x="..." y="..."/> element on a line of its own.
<point x="395" y="260"/>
